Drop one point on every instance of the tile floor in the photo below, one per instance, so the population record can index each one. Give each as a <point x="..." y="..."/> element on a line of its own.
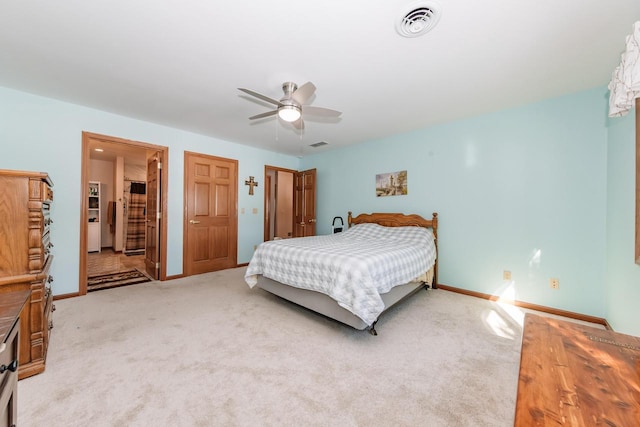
<point x="108" y="261"/>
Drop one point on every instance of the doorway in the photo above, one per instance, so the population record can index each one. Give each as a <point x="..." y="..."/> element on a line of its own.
<point x="116" y="170"/>
<point x="278" y="203"/>
<point x="289" y="203"/>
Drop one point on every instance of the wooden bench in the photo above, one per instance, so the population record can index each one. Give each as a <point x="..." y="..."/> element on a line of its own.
<point x="575" y="375"/>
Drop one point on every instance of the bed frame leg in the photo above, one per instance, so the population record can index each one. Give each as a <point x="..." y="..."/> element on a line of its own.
<point x="372" y="329"/>
<point x="432" y="285"/>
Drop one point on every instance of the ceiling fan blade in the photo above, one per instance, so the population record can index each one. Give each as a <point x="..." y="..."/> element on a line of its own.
<point x="267" y="114"/>
<point x="303" y="93"/>
<point x="319" y="111"/>
<point x="298" y="124"/>
<point x="260" y="96"/>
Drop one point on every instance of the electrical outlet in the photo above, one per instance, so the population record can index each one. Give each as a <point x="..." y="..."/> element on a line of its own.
<point x="506" y="275"/>
<point x="554" y="283"/>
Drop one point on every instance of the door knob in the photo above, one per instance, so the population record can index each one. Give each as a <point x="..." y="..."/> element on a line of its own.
<point x="193" y="221"/>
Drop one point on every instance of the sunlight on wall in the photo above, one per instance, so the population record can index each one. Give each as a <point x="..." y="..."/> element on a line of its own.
<point x="534" y="261"/>
<point x="471" y="155"/>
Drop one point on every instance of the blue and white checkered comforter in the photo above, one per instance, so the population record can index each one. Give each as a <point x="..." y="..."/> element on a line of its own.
<point x="353" y="267"/>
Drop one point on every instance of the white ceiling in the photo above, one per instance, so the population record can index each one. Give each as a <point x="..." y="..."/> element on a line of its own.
<point x="109" y="152"/>
<point x="179" y="63"/>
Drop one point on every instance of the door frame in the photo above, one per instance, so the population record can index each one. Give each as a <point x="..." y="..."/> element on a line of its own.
<point x="303" y="222"/>
<point x="164" y="157"/>
<point x="267" y="205"/>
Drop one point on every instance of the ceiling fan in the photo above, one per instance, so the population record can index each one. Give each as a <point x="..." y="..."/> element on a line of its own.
<point x="291" y="106"/>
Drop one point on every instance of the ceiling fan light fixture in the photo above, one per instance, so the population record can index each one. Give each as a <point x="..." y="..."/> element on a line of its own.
<point x="289" y="113"/>
<point x="289" y="107"/>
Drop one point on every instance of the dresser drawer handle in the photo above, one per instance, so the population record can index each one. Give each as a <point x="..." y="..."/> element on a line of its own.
<point x="13" y="366"/>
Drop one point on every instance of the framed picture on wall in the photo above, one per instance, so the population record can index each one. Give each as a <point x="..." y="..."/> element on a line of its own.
<point x="391" y="184"/>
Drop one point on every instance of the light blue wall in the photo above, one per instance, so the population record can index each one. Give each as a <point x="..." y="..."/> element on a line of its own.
<point x="623" y="275"/>
<point x="42" y="134"/>
<point x="522" y="190"/>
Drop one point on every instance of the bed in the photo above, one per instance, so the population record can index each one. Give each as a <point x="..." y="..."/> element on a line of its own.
<point x="353" y="276"/>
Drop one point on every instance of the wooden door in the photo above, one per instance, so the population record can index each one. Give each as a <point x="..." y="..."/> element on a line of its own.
<point x="284" y="204"/>
<point x="211" y="222"/>
<point x="152" y="224"/>
<point x="305" y="203"/>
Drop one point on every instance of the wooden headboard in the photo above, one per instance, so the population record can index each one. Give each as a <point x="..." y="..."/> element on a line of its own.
<point x="395" y="220"/>
<point x="400" y="220"/>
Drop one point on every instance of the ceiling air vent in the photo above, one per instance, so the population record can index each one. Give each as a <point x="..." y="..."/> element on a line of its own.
<point x="419" y="18"/>
<point x="318" y="144"/>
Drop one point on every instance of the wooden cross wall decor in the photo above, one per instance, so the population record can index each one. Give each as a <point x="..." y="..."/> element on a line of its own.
<point x="251" y="183"/>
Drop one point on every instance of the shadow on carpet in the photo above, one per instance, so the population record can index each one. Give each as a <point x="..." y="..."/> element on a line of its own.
<point x="114" y="280"/>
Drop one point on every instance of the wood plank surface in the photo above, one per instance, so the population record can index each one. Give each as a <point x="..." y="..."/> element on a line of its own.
<point x="11" y="304"/>
<point x="576" y="375"/>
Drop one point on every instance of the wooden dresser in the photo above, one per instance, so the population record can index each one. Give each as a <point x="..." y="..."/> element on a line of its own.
<point x="25" y="259"/>
<point x="11" y="304"/>
<point x="575" y="375"/>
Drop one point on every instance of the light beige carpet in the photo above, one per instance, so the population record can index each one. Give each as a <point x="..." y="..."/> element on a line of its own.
<point x="209" y="351"/>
